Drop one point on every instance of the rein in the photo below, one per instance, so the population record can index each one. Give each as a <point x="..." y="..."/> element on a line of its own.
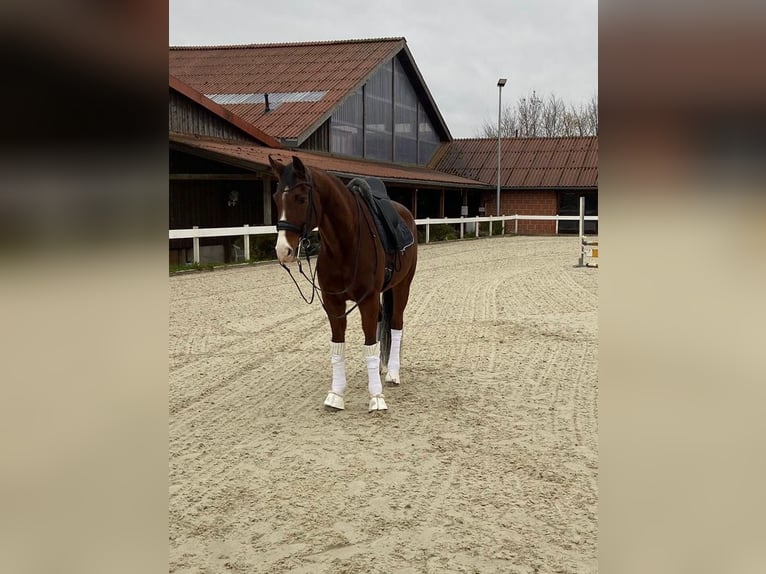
<point x="304" y="243"/>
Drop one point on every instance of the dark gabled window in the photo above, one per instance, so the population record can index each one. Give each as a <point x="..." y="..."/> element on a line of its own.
<point x="384" y="120"/>
<point x="346" y="127"/>
<point x="378" y="107"/>
<point x="405" y="117"/>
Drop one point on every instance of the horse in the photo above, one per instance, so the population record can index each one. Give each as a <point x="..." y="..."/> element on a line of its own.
<point x="351" y="265"/>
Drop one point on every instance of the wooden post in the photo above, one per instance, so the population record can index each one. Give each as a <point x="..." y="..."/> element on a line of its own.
<point x="266" y="192"/>
<point x="247" y="244"/>
<point x="195" y="244"/>
<point x="582" y="230"/>
<point x="415" y="203"/>
<point x="441" y="204"/>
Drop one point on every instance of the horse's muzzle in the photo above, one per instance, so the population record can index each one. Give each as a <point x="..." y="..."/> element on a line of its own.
<point x="285" y="252"/>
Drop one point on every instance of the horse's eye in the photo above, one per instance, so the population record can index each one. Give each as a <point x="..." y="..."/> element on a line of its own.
<point x="300" y="200"/>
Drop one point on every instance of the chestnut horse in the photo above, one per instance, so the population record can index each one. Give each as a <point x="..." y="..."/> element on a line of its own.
<point x="351" y="266"/>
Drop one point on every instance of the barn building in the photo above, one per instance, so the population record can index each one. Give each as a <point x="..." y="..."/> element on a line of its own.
<point x="538" y="176"/>
<point x="353" y="108"/>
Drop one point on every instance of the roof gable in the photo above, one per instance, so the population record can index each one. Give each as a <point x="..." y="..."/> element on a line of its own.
<point x="305" y="81"/>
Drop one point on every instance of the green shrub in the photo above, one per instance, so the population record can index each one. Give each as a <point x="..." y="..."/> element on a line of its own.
<point x="191" y="266"/>
<point x="443" y="232"/>
<point x="262" y="247"/>
<point x="439" y="232"/>
<point x="497" y="228"/>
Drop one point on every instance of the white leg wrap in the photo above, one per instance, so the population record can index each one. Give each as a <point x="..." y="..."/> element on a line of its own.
<point x="393" y="357"/>
<point x="334" y="398"/>
<point x="338" y="360"/>
<point x="372" y="356"/>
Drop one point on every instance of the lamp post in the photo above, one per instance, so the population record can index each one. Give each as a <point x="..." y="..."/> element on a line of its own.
<point x="500" y="84"/>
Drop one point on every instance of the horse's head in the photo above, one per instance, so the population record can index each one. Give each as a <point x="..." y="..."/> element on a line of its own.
<point x="294" y="201"/>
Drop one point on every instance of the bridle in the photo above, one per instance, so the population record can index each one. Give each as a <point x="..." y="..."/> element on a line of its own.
<point x="302" y="231"/>
<point x="304" y="243"/>
<point x="303" y="240"/>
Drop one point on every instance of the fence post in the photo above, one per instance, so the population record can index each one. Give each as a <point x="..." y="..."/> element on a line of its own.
<point x="557" y="224"/>
<point x="582" y="230"/>
<point x="247" y="243"/>
<point x="490" y="226"/>
<point x="502" y="228"/>
<point x="516" y="224"/>
<point x="195" y="245"/>
<point x="462" y="227"/>
<point x="477" y="226"/>
<point x="428" y="230"/>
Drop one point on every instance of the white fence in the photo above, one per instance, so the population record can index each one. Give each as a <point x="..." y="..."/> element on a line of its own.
<point x="246" y="231"/>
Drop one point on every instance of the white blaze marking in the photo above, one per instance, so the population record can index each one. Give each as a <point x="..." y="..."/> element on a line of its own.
<point x="283" y="247"/>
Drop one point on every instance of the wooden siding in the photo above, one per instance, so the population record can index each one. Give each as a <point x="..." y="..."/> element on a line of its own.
<point x="319" y="140"/>
<point x="204" y="203"/>
<point x="187" y="117"/>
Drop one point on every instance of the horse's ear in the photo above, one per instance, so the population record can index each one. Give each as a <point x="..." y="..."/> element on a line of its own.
<point x="276" y="166"/>
<point x="299" y="168"/>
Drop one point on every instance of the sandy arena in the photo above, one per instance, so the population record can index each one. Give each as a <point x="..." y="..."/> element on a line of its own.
<point x="487" y="460"/>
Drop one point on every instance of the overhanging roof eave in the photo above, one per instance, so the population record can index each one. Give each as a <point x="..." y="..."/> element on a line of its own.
<point x="420" y="182"/>
<point x="176" y="142"/>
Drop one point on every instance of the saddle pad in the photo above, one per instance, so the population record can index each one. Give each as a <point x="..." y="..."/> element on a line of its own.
<point x="393" y="233"/>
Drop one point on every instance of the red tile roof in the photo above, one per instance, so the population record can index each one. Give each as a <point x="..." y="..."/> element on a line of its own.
<point x="256" y="157"/>
<point x="524" y="162"/>
<point x="336" y="68"/>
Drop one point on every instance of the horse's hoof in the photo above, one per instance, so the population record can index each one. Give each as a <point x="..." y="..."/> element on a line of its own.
<point x="377" y="403"/>
<point x="393" y="378"/>
<point x="334" y="402"/>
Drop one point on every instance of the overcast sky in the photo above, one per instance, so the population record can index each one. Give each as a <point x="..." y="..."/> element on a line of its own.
<point x="460" y="47"/>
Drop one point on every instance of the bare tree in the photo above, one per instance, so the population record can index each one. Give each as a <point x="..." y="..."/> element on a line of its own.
<point x="529" y="112"/>
<point x="554" y="110"/>
<point x="552" y="117"/>
<point x="591" y="111"/>
<point x="508" y="125"/>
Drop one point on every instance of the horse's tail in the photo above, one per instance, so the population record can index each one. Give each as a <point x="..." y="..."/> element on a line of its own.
<point x="384" y="326"/>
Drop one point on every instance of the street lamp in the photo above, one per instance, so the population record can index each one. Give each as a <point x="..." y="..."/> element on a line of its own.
<point x="500" y="84"/>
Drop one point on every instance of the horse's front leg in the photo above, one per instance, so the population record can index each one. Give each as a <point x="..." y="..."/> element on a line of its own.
<point x="335" y="308"/>
<point x="369" y="309"/>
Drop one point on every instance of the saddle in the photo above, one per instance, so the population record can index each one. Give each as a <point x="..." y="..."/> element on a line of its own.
<point x="393" y="232"/>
